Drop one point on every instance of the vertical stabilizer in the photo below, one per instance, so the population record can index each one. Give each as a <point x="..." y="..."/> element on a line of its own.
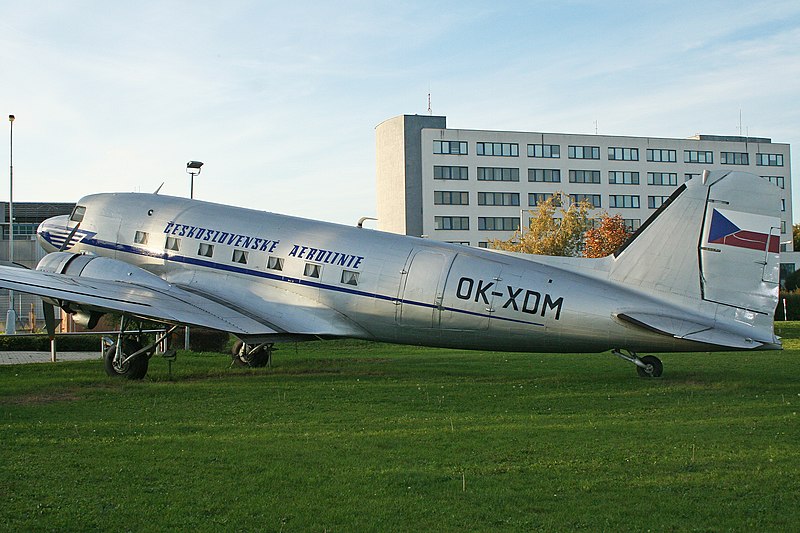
<point x="713" y="246"/>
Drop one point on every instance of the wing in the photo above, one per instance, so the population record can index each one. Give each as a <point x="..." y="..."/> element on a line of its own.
<point x="166" y="302"/>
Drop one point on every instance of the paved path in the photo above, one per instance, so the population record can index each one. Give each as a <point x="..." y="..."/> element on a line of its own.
<point x="18" y="358"/>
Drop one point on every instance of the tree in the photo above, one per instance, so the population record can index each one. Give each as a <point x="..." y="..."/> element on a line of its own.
<point x="548" y="234"/>
<point x="606" y="238"/>
<point x="796" y="237"/>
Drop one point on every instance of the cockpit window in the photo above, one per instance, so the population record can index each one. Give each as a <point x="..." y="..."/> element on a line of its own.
<point x="77" y="213"/>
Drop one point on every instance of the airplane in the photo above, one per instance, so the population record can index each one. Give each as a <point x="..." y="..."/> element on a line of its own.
<point x="701" y="274"/>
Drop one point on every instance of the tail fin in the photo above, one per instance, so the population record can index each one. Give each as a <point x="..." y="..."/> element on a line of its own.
<point x="714" y="247"/>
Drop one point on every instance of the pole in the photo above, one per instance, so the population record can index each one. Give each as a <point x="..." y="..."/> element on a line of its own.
<point x="11" y="315"/>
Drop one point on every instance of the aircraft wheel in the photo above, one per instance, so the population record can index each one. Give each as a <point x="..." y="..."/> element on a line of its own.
<point x="653" y="368"/>
<point x="134" y="369"/>
<point x="259" y="358"/>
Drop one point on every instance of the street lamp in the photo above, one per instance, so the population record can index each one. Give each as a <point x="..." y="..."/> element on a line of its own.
<point x="193" y="168"/>
<point x="11" y="316"/>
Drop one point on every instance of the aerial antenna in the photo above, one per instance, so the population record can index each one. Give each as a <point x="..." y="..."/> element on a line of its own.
<point x="740" y="122"/>
<point x="159" y="188"/>
<point x="429" y="103"/>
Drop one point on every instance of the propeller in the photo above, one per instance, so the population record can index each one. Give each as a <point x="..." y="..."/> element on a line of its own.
<point x="49" y="311"/>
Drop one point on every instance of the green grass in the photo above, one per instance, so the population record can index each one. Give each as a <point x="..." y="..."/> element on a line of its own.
<point x="354" y="436"/>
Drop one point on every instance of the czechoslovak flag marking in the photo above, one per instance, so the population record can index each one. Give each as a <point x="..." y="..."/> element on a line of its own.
<point x="744" y="230"/>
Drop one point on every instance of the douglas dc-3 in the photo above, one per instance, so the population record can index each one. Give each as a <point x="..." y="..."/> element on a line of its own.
<point x="701" y="274"/>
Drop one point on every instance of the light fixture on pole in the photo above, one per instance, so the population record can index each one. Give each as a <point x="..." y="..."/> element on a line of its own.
<point x="193" y="168"/>
<point x="11" y="315"/>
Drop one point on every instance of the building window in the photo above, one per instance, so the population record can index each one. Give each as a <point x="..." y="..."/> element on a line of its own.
<point x="205" y="249"/>
<point x="239" y="256"/>
<point x="623" y="154"/>
<point x="698" y="156"/>
<point x="783" y="204"/>
<point x="623" y="200"/>
<point x="535" y="198"/>
<point x="450" y="147"/>
<point x="450" y="198"/>
<point x="769" y="160"/>
<point x="485" y="244"/>
<point x="450" y="173"/>
<point x="654" y="202"/>
<point x="498" y="223"/>
<point x="140" y="237"/>
<point x="592" y="199"/>
<point x="688" y="176"/>
<point x="547" y="151"/>
<point x="312" y="270"/>
<point x="498" y="198"/>
<point x="584" y="176"/>
<point x="451" y="223"/>
<point x="616" y="177"/>
<point x="632" y="224"/>
<point x="783" y="226"/>
<point x="275" y="263"/>
<point x="734" y="158"/>
<point x="584" y="152"/>
<point x="662" y="178"/>
<point x="497" y="149"/>
<point x="462" y="243"/>
<point x="173" y="243"/>
<point x="498" y="174"/>
<point x="776" y="180"/>
<point x="658" y="155"/>
<point x="549" y="175"/>
<point x="349" y="277"/>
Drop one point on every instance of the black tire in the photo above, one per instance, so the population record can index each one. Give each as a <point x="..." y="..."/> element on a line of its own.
<point x="134" y="369"/>
<point x="260" y="358"/>
<point x="654" y="367"/>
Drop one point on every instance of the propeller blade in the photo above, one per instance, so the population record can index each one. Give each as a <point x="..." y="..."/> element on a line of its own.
<point x="49" y="311"/>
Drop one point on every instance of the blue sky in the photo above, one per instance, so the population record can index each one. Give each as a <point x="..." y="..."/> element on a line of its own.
<point x="280" y="100"/>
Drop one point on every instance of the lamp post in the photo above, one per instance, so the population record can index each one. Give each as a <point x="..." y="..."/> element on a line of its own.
<point x="193" y="168"/>
<point x="11" y="315"/>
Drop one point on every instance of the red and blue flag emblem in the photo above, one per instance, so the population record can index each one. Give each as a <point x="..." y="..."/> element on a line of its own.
<point x="729" y="229"/>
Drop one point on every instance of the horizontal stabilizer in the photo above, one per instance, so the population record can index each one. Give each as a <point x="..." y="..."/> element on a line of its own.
<point x="692" y="330"/>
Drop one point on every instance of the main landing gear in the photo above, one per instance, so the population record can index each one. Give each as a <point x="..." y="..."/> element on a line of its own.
<point x="252" y="355"/>
<point x="130" y="355"/>
<point x="648" y="366"/>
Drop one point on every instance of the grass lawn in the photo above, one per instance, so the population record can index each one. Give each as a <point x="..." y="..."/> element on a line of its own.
<point x="355" y="436"/>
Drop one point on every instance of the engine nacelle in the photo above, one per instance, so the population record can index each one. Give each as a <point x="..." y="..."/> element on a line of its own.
<point x="97" y="267"/>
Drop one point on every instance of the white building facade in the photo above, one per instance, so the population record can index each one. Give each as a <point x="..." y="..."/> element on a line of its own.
<point x="471" y="186"/>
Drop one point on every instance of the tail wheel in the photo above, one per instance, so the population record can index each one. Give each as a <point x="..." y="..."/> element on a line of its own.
<point x="652" y="367"/>
<point x="244" y="355"/>
<point x="136" y="368"/>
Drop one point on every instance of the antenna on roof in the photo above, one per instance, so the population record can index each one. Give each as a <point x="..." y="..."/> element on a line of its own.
<point x="159" y="188"/>
<point x="429" y="103"/>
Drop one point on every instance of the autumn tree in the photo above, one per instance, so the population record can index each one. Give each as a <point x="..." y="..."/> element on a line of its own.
<point x="604" y="239"/>
<point x="796" y="236"/>
<point x="552" y="230"/>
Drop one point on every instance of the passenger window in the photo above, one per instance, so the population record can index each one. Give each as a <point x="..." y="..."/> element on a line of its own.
<point x="140" y="237"/>
<point x="312" y="270"/>
<point x="240" y="256"/>
<point x="206" y="250"/>
<point x="275" y="263"/>
<point x="349" y="277"/>
<point x="173" y="243"/>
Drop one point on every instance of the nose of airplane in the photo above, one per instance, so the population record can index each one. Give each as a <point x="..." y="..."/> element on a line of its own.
<point x="53" y="232"/>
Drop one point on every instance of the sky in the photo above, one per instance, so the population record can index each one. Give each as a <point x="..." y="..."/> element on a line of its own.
<point x="280" y="100"/>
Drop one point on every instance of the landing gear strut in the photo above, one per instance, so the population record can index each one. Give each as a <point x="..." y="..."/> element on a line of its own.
<point x="127" y="357"/>
<point x="648" y="366"/>
<point x="252" y="355"/>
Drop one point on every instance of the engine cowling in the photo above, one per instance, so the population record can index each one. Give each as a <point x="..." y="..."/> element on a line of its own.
<point x="95" y="267"/>
<point x="98" y="267"/>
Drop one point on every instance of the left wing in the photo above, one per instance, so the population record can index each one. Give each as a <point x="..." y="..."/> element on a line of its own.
<point x="164" y="302"/>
